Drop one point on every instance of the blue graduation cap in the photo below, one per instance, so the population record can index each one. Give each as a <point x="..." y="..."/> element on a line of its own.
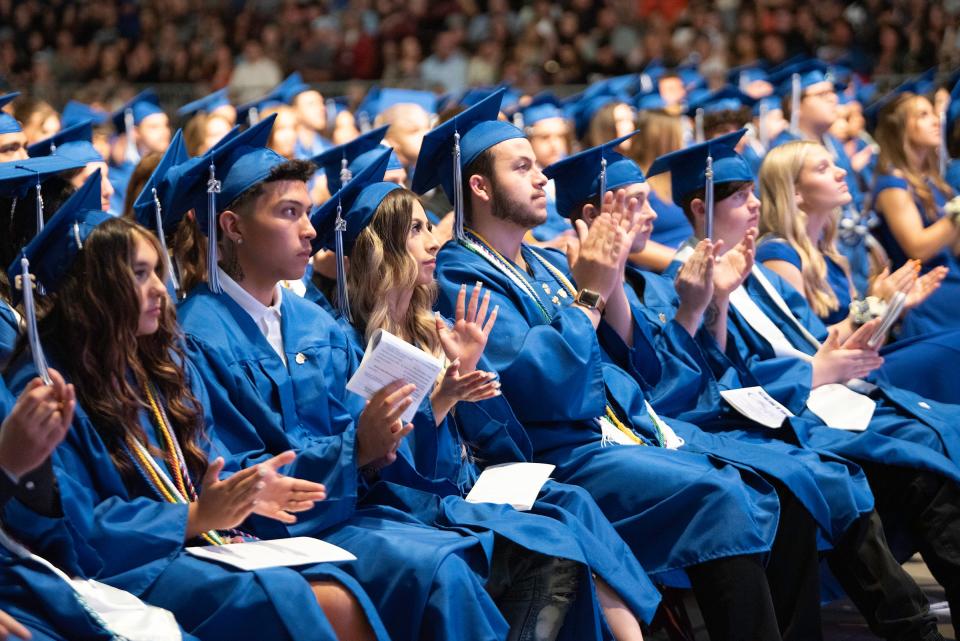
<point x="361" y="162"/>
<point x="543" y="107"/>
<point x="793" y="79"/>
<point x="379" y="99"/>
<point x="249" y="113"/>
<point x="689" y="74"/>
<point x="340" y="220"/>
<point x="74" y="112"/>
<point x="73" y="142"/>
<point x="590" y="173"/>
<point x="335" y="162"/>
<point x="744" y="75"/>
<point x="144" y="104"/>
<point x="725" y="99"/>
<point x="702" y="166"/>
<point x="149" y="208"/>
<point x="8" y="124"/>
<point x="587" y="106"/>
<point x="46" y="259"/>
<point x="920" y="85"/>
<point x="650" y="76"/>
<point x="649" y="101"/>
<point x="18" y="177"/>
<point x="449" y="148"/>
<point x="207" y="104"/>
<point x="223" y="173"/>
<point x="291" y="87"/>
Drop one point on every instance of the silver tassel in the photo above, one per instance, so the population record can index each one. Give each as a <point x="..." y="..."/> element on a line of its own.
<point x="345" y="174"/>
<point x="764" y="138"/>
<point x="343" y="297"/>
<point x="213" y="188"/>
<point x="171" y="276"/>
<point x="603" y="179"/>
<point x="795" y="104"/>
<point x="33" y="336"/>
<point x="708" y="191"/>
<point x="39" y="207"/>
<point x="698" y="134"/>
<point x="133" y="155"/>
<point x="458" y="232"/>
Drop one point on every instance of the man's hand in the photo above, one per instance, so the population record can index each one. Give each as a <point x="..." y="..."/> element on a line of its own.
<point x="35" y="426"/>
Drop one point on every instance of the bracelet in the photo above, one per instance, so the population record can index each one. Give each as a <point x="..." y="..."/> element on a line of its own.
<point x="865" y="310"/>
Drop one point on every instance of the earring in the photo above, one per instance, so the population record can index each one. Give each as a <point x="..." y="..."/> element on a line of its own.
<point x="240" y="240"/>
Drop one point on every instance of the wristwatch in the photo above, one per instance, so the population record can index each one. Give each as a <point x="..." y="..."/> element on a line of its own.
<point x="590" y="299"/>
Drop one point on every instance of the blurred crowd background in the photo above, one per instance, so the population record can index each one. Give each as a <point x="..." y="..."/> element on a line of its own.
<point x="93" y="50"/>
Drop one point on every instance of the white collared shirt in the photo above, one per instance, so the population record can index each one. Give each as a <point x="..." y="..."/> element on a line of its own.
<point x="266" y="318"/>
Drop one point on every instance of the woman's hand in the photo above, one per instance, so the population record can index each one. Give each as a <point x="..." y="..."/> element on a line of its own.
<point x="10" y="626"/>
<point x="35" y="426"/>
<point x="224" y="504"/>
<point x="283" y="496"/>
<point x="467" y="338"/>
<point x="455" y="387"/>
<point x="924" y="286"/>
<point x="837" y="363"/>
<point x="732" y="269"/>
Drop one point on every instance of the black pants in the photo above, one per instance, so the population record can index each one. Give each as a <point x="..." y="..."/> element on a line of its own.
<point x="742" y="601"/>
<point x="888" y="598"/>
<point x="927" y="508"/>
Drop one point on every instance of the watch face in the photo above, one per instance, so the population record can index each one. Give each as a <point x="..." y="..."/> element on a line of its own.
<point x="588" y="297"/>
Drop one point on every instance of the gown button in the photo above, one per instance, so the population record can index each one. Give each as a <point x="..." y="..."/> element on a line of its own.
<point x="925" y="405"/>
<point x="663" y="317"/>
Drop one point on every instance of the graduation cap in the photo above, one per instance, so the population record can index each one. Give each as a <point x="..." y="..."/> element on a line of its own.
<point x="74" y="142"/>
<point x="920" y="85"/>
<point x="223" y="173"/>
<point x="18" y="177"/>
<point x="148" y="208"/>
<point x="74" y="112"/>
<point x="449" y="148"/>
<point x="760" y="109"/>
<point x="744" y="75"/>
<point x="794" y="79"/>
<point x="335" y="162"/>
<point x="726" y="99"/>
<point x="249" y="113"/>
<point x="702" y="166"/>
<point x="587" y="106"/>
<point x="474" y="95"/>
<point x="361" y="162"/>
<point x="46" y="259"/>
<point x="590" y="173"/>
<point x="543" y="107"/>
<point x="689" y="74"/>
<point x="340" y="220"/>
<point x="8" y="124"/>
<point x="291" y="87"/>
<point x="144" y="104"/>
<point x="207" y="104"/>
<point x="379" y="99"/>
<point x="649" y="101"/>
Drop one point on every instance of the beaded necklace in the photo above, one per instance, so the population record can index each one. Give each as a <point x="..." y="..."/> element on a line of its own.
<point x="180" y="489"/>
<point x="477" y="244"/>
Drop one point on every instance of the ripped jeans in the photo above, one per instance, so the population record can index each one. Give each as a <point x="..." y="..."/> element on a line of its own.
<point x="533" y="591"/>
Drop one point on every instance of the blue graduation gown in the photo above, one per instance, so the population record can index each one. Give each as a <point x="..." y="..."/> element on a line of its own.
<point x="37" y="598"/>
<point x="907" y="429"/>
<point x="414" y="548"/>
<point x="117" y="531"/>
<point x="939" y="312"/>
<point x="119" y="179"/>
<point x="671" y="227"/>
<point x="902" y="358"/>
<point x="675" y="508"/>
<point x="953" y="175"/>
<point x="446" y="459"/>
<point x="833" y="490"/>
<point x="9" y="332"/>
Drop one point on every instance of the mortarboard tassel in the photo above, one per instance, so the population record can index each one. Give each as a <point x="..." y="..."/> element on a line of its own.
<point x="795" y="91"/>
<point x="743" y="82"/>
<point x="39" y="206"/>
<point x="53" y="147"/>
<point x="646" y="83"/>
<point x="253" y="116"/>
<point x="698" y="135"/>
<point x="213" y="188"/>
<point x="363" y="122"/>
<point x="129" y="123"/>
<point x="345" y="174"/>
<point x="343" y="298"/>
<point x="518" y="120"/>
<point x="331" y="106"/>
<point x="458" y="232"/>
<point x="942" y="154"/>
<point x="171" y="276"/>
<point x="708" y="194"/>
<point x="25" y="283"/>
<point x="764" y="137"/>
<point x="603" y="178"/>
